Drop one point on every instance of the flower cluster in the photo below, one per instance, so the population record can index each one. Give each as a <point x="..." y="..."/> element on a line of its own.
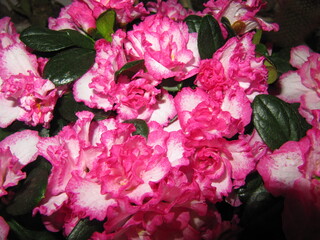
<point x="178" y="136"/>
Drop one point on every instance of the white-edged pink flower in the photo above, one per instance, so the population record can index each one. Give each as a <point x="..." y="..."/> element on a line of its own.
<point x="171" y="8"/>
<point x="201" y="117"/>
<point x="241" y="14"/>
<point x="16" y="151"/>
<point x="303" y="84"/>
<point x="24" y="94"/>
<point x="96" y="87"/>
<point x="293" y="171"/>
<point x="165" y="45"/>
<point x="240" y="64"/>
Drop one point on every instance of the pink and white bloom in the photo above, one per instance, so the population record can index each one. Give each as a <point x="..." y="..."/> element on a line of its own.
<point x="303" y="84"/>
<point x="16" y="151"/>
<point x="241" y="14"/>
<point x="165" y="45"/>
<point x="24" y="94"/>
<point x="293" y="171"/>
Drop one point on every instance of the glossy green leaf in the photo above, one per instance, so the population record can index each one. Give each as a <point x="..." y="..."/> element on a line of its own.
<point x="69" y="65"/>
<point x="141" y="127"/>
<point x="80" y="40"/>
<point x="257" y="37"/>
<point x="193" y="22"/>
<point x="32" y="190"/>
<point x="210" y="38"/>
<point x="131" y="68"/>
<point x="277" y="121"/>
<point x="171" y="85"/>
<point x="45" y="40"/>
<point x="84" y="229"/>
<point x="105" y="24"/>
<point x="22" y="233"/>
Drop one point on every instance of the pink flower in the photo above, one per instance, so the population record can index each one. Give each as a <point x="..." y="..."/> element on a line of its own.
<point x="82" y="14"/>
<point x="166" y="46"/>
<point x="201" y="117"/>
<point x="293" y="171"/>
<point x="16" y="151"/>
<point x="96" y="87"/>
<point x="24" y="95"/>
<point x="241" y="14"/>
<point x="303" y="85"/>
<point x="4" y="229"/>
<point x="171" y="8"/>
<point x="240" y="64"/>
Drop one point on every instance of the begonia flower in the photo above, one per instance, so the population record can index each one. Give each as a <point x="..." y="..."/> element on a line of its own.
<point x="16" y="151"/>
<point x="302" y="85"/>
<point x="165" y="45"/>
<point x="242" y="15"/>
<point x="24" y="94"/>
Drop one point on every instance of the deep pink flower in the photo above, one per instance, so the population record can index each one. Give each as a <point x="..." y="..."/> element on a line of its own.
<point x="165" y="45"/>
<point x="4" y="229"/>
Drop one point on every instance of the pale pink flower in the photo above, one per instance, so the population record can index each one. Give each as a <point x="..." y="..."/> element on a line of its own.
<point x="303" y="84"/>
<point x="16" y="151"/>
<point x="241" y="14"/>
<point x="165" y="45"/>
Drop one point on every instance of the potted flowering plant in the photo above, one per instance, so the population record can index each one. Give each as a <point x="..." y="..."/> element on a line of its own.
<point x="148" y="120"/>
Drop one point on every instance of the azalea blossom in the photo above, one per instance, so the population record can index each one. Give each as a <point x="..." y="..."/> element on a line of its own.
<point x="303" y="85"/>
<point x="241" y="14"/>
<point x="165" y="45"/>
<point x="24" y="94"/>
<point x="16" y="151"/>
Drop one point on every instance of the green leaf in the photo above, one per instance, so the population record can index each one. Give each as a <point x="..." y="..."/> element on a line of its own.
<point x="171" y="85"/>
<point x="272" y="71"/>
<point x="261" y="49"/>
<point x="80" y="40"/>
<point x="277" y="121"/>
<point x="210" y="38"/>
<point x="281" y="60"/>
<point x="45" y="40"/>
<point x="193" y="22"/>
<point x="68" y="107"/>
<point x="69" y="65"/>
<point x="141" y="127"/>
<point x="105" y="24"/>
<point x="257" y="37"/>
<point x="84" y="229"/>
<point x="25" y="234"/>
<point x="131" y="68"/>
<point x="32" y="190"/>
